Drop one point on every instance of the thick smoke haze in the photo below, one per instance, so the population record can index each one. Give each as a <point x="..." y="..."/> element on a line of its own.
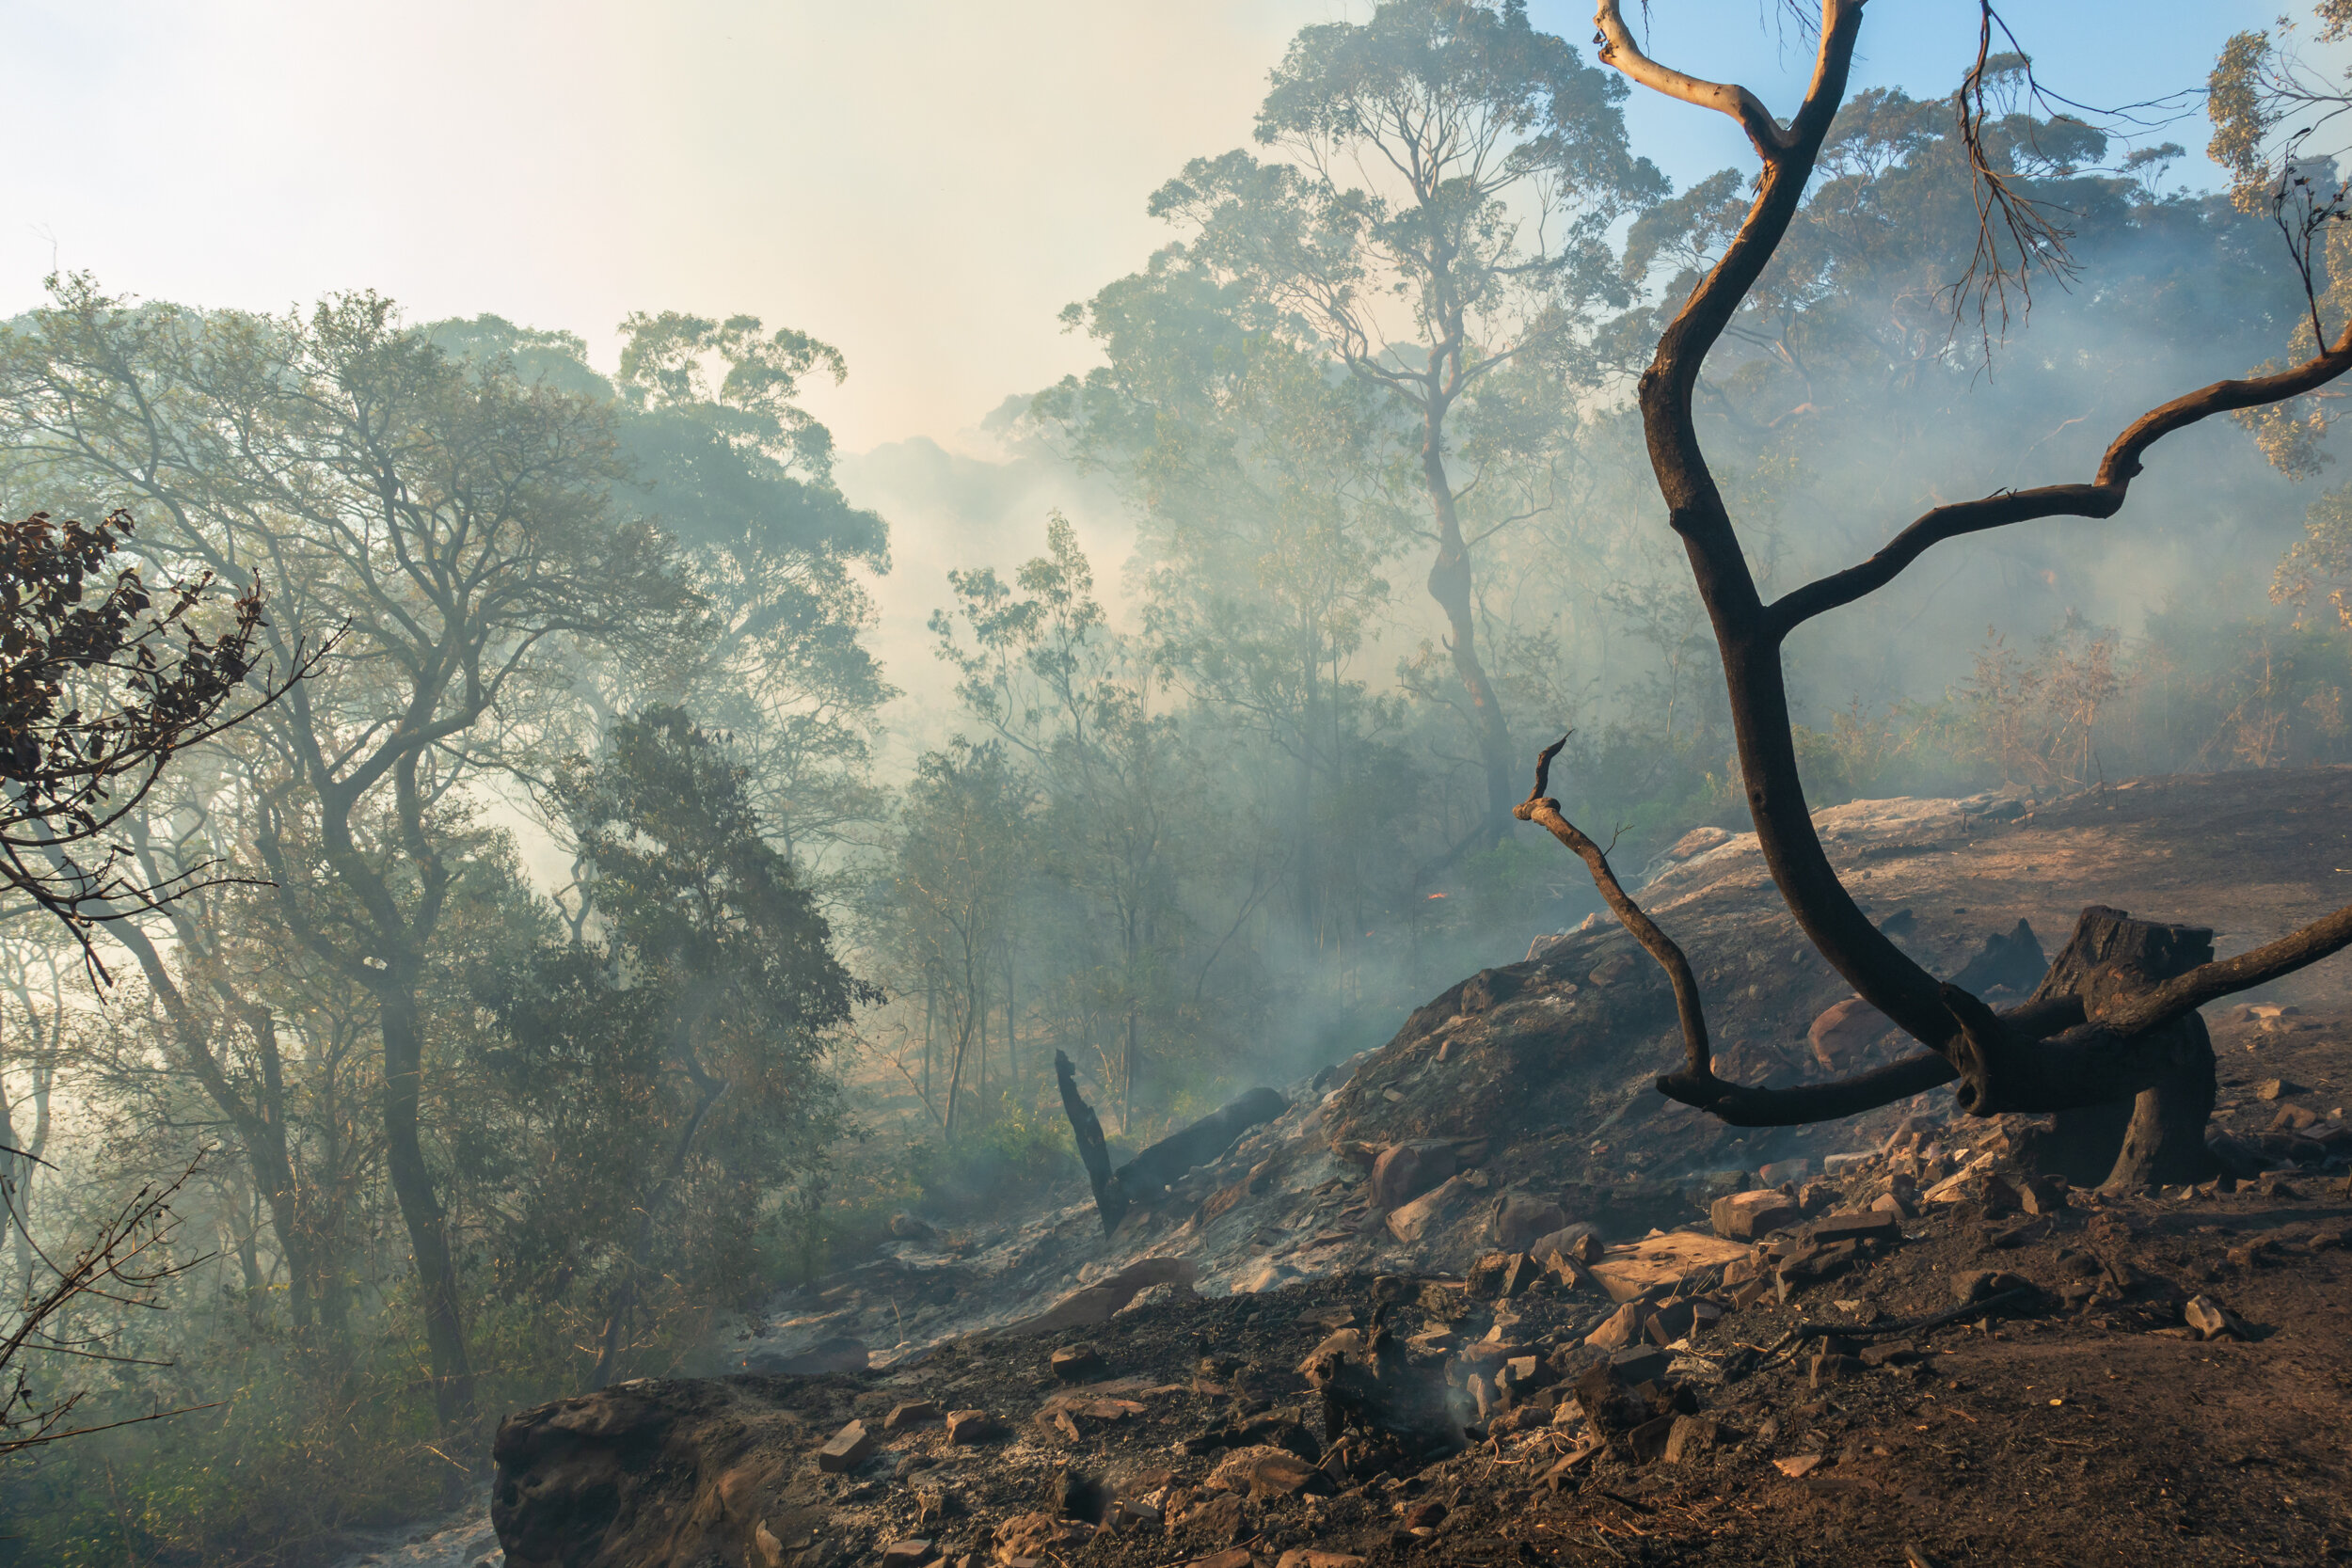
<point x="922" y="185"/>
<point x="814" y="562"/>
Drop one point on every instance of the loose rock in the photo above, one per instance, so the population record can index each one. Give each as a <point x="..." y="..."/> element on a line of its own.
<point x="849" y="1448"/>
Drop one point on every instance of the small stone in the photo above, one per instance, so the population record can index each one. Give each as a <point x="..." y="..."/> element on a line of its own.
<point x="969" y="1426"/>
<point x="907" y="1554"/>
<point x="1078" y="1364"/>
<point x="1782" y="1171"/>
<point x="1691" y="1436"/>
<point x="1621" y="1329"/>
<point x="1746" y="1216"/>
<point x="1648" y="1440"/>
<point x="1237" y="1557"/>
<point x="1311" y="1557"/>
<point x="2211" y="1319"/>
<point x="2039" y="1194"/>
<point x="2277" y="1088"/>
<point x="849" y="1448"/>
<point x="1878" y="1225"/>
<point x="1486" y="1275"/>
<point x="1405" y="1171"/>
<point x="1888" y="1203"/>
<point x="1671" y="1321"/>
<point x="1639" y="1364"/>
<point x="764" y="1540"/>
<point x="912" y="1414"/>
<point x="1798" y="1466"/>
<point x="1827" y="1370"/>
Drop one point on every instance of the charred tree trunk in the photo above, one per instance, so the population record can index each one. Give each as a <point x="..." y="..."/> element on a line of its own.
<point x="1109" y="1201"/>
<point x="2119" y="1020"/>
<point x="2159" y="1134"/>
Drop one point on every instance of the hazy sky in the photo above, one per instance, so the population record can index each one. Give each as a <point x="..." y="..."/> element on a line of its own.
<point x="923" y="184"/>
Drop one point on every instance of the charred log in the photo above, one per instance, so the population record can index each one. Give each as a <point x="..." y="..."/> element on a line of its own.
<point x="1149" y="1173"/>
<point x="1157" y="1167"/>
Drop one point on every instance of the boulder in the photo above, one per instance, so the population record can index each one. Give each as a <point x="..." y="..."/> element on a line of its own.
<point x="1434" y="1212"/>
<point x="1844" y="1031"/>
<point x="970" y="1426"/>
<point x="1746" y="1216"/>
<point x="1520" y="1219"/>
<point x="1620" y="1329"/>
<point x="1661" y="1262"/>
<point x="1405" y="1171"/>
<point x="1579" y="1242"/>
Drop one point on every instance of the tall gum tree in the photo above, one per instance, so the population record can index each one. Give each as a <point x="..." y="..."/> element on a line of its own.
<point x="1454" y="174"/>
<point x="453" y="522"/>
<point x="2114" y="1023"/>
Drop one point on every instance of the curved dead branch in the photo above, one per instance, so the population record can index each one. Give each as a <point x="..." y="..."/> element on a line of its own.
<point x="2100" y="498"/>
<point x="1698" y="1074"/>
<point x="1749" y="633"/>
<point x="1617" y="48"/>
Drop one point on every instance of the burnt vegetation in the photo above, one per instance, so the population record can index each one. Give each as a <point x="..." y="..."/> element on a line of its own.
<point x="551" y="1013"/>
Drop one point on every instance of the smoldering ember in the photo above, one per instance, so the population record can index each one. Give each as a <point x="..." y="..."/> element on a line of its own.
<point x="615" y="958"/>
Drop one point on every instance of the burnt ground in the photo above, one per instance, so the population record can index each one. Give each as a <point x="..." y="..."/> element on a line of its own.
<point x="2078" y="1419"/>
<point x="2095" y="1431"/>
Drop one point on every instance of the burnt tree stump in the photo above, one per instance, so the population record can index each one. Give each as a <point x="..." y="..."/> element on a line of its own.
<point x="2159" y="1134"/>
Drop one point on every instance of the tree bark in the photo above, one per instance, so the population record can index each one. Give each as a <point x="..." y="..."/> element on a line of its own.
<point x="2159" y="1134"/>
<point x="1450" y="584"/>
<point x="1087" y="1128"/>
<point x="420" y="1208"/>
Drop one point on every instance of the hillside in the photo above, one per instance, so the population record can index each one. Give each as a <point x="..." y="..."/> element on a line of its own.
<point x="1842" y="1397"/>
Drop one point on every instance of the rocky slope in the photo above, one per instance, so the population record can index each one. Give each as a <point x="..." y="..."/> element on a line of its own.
<point x="1536" y="1074"/>
<point x="1514" y="1111"/>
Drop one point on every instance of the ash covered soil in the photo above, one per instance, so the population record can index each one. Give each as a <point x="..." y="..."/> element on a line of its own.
<point x="2109" y="1377"/>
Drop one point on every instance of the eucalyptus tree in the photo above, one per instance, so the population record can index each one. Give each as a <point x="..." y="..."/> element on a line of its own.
<point x="741" y="476"/>
<point x="682" y="1042"/>
<point x="1263" y="522"/>
<point x="1452" y="174"/>
<point x="451" y="523"/>
<point x="946" y="900"/>
<point x="715" y="450"/>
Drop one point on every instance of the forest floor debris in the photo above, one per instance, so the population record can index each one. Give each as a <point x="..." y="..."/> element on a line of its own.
<point x="1886" y="1340"/>
<point x="1987" y="1390"/>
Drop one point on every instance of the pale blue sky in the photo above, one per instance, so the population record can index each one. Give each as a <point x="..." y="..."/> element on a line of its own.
<point x="925" y="184"/>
